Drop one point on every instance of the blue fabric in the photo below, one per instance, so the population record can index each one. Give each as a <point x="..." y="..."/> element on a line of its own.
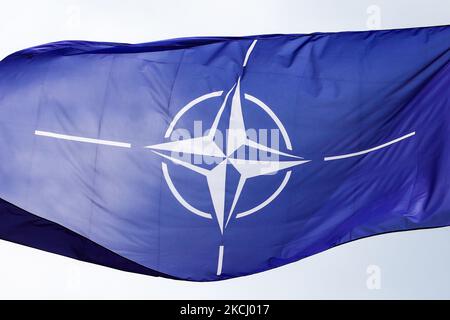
<point x="334" y="93"/>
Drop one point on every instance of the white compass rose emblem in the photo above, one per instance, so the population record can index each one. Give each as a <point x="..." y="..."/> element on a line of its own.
<point x="236" y="138"/>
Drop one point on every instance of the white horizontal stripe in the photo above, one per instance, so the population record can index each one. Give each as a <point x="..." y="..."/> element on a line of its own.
<point x="343" y="156"/>
<point x="81" y="139"/>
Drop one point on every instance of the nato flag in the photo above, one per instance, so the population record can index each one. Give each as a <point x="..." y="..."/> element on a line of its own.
<point x="210" y="158"/>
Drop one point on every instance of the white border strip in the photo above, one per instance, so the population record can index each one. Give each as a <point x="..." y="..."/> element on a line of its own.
<point x="355" y="154"/>
<point x="220" y="261"/>
<point x="82" y="139"/>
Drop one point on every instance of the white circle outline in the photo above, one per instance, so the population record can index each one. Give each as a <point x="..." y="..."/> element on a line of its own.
<point x="272" y="115"/>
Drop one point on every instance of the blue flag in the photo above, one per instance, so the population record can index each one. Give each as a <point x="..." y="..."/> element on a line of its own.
<point x="211" y="158"/>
